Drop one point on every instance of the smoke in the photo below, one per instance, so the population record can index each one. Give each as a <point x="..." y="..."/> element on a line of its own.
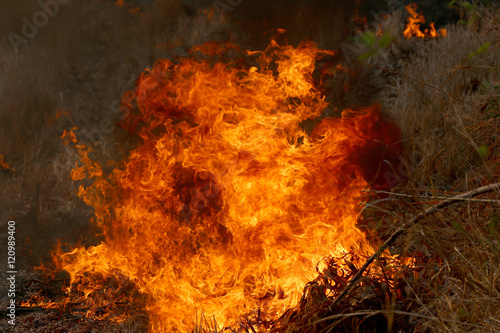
<point x="80" y="61"/>
<point x="67" y="63"/>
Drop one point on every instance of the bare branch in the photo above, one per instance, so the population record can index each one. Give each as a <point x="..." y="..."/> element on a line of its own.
<point x="406" y="226"/>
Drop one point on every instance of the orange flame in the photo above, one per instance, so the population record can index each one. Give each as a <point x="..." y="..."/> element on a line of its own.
<point x="132" y="10"/>
<point x="227" y="205"/>
<point x="4" y="164"/>
<point x="413" y="26"/>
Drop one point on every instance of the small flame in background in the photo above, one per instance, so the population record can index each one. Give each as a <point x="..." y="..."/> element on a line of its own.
<point x="3" y="164"/>
<point x="227" y="205"/>
<point x="413" y="26"/>
<point x="132" y="10"/>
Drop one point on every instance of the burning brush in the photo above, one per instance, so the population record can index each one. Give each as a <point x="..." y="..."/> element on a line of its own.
<point x="413" y="26"/>
<point x="227" y="206"/>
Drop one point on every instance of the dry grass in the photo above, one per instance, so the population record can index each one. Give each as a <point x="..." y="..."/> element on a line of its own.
<point x="81" y="63"/>
<point x="441" y="99"/>
<point x="447" y="108"/>
<point x="437" y="94"/>
<point x="446" y="104"/>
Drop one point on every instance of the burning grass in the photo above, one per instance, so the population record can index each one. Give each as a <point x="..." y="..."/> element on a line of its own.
<point x="227" y="204"/>
<point x="413" y="26"/>
<point x="440" y="275"/>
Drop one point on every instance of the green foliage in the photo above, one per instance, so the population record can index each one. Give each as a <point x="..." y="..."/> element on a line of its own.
<point x="483" y="151"/>
<point x="480" y="50"/>
<point x="385" y="40"/>
<point x="488" y="86"/>
<point x="493" y="224"/>
<point x="368" y="38"/>
<point x="466" y="4"/>
<point x="493" y="105"/>
<point x="463" y="314"/>
<point x="457" y="226"/>
<point x="493" y="108"/>
<point x="373" y="43"/>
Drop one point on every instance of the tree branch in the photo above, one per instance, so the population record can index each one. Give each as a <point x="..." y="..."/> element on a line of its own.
<point x="406" y="226"/>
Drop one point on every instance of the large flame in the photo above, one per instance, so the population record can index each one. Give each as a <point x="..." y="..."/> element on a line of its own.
<point x="413" y="25"/>
<point x="227" y="205"/>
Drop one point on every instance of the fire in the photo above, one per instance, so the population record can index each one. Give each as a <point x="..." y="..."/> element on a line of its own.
<point x="413" y="26"/>
<point x="132" y="10"/>
<point x="227" y="205"/>
<point x="4" y="165"/>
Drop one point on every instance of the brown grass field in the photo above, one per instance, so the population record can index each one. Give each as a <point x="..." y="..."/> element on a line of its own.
<point x="443" y="93"/>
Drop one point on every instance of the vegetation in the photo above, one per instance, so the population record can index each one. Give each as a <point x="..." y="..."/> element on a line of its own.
<point x="444" y="93"/>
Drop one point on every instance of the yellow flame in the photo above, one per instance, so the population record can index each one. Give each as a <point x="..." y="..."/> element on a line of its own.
<point x="413" y="26"/>
<point x="227" y="205"/>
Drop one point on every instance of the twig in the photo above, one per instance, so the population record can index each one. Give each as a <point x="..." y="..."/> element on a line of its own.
<point x="406" y="226"/>
<point x="372" y="313"/>
<point x="20" y="310"/>
<point x="46" y="283"/>
<point x="418" y="81"/>
<point x="435" y="197"/>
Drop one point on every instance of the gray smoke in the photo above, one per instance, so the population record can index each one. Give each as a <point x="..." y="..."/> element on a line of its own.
<point x="79" y="57"/>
